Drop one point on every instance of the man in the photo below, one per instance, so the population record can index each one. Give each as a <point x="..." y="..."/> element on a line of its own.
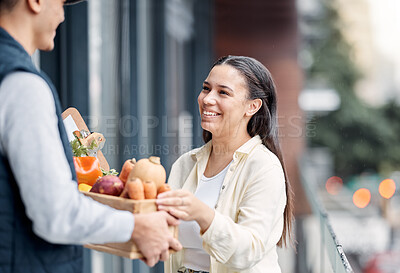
<point x="43" y="217"/>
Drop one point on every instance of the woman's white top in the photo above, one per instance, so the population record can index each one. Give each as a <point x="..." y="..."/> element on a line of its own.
<point x="189" y="231"/>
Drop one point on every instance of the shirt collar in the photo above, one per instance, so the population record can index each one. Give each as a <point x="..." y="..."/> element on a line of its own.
<point x="199" y="152"/>
<point x="249" y="145"/>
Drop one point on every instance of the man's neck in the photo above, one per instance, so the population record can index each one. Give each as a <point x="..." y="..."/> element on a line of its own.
<point x="19" y="29"/>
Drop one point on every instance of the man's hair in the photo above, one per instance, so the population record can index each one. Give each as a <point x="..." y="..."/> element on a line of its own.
<point x="7" y="4"/>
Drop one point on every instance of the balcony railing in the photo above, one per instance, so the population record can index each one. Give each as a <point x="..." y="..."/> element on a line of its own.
<point x="330" y="256"/>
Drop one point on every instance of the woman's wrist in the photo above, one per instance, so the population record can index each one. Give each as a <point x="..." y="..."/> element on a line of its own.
<point x="205" y="218"/>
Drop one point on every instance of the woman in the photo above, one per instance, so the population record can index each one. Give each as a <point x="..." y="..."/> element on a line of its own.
<point x="233" y="194"/>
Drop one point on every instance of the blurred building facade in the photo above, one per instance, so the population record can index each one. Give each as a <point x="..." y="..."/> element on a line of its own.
<point x="374" y="33"/>
<point x="268" y="31"/>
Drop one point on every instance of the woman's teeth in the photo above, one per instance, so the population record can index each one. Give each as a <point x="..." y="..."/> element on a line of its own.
<point x="210" y="113"/>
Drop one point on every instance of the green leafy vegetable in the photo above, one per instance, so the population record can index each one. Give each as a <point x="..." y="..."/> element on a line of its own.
<point x="78" y="149"/>
<point x="110" y="172"/>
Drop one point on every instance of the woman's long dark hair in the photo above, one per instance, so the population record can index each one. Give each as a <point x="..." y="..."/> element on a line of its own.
<point x="263" y="123"/>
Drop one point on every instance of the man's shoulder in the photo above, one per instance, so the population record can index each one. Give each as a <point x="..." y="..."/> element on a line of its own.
<point x="26" y="92"/>
<point x="18" y="78"/>
<point x="25" y="85"/>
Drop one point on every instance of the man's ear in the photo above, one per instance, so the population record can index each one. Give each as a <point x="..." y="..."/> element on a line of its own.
<point x="35" y="5"/>
<point x="253" y="107"/>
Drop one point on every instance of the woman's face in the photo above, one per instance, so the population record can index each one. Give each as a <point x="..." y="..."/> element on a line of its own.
<point x="223" y="102"/>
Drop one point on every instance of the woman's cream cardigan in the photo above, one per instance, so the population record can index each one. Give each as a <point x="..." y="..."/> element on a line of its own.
<point x="248" y="220"/>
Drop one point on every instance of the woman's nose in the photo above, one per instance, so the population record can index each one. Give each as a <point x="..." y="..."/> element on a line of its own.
<point x="209" y="98"/>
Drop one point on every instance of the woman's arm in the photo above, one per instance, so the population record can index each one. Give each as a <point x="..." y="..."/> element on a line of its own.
<point x="242" y="242"/>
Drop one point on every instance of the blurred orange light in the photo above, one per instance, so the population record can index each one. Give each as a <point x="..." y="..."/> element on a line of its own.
<point x="333" y="185"/>
<point x="361" y="198"/>
<point x="387" y="188"/>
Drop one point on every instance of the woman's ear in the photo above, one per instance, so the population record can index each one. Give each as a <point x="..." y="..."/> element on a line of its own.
<point x="253" y="107"/>
<point x="35" y="5"/>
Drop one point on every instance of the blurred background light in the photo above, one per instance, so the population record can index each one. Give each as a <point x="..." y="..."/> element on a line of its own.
<point x="319" y="100"/>
<point x="362" y="197"/>
<point x="333" y="185"/>
<point x="387" y="188"/>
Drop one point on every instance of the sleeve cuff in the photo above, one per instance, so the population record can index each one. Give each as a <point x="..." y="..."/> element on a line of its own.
<point x="124" y="222"/>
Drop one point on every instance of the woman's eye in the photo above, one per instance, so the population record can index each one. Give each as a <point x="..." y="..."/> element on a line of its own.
<point x="206" y="88"/>
<point x="222" y="92"/>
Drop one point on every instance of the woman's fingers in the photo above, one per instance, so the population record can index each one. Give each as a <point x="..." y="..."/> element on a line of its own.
<point x="175" y="193"/>
<point x="178" y="203"/>
<point x="164" y="195"/>
<point x="172" y="221"/>
<point x="172" y="201"/>
<point x="180" y="214"/>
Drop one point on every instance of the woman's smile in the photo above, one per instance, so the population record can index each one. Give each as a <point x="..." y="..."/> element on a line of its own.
<point x="210" y="114"/>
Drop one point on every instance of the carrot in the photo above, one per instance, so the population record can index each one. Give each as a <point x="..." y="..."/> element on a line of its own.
<point x="163" y="188"/>
<point x="135" y="189"/>
<point x="77" y="134"/>
<point x="124" y="193"/>
<point x="150" y="190"/>
<point x="126" y="169"/>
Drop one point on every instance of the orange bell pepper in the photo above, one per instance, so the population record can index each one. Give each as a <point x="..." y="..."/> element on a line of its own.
<point x="87" y="169"/>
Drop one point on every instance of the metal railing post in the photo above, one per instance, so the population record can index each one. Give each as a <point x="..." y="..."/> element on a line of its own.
<point x="328" y="241"/>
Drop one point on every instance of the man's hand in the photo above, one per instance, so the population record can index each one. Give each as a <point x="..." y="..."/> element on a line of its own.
<point x="152" y="237"/>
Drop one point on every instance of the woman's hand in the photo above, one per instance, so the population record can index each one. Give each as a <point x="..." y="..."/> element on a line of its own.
<point x="184" y="205"/>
